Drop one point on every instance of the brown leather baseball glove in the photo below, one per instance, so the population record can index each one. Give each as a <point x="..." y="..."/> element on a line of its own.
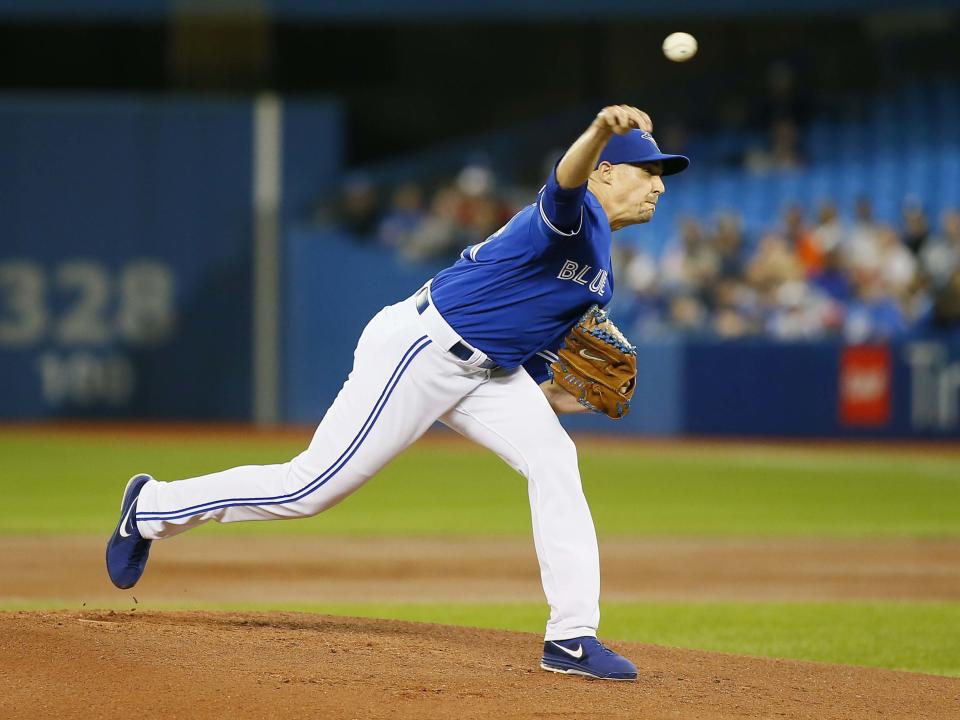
<point x="597" y="365"/>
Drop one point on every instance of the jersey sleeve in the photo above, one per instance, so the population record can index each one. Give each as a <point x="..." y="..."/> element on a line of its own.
<point x="561" y="209"/>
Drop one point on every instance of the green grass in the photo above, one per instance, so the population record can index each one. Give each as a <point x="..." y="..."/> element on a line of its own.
<point x="918" y="637"/>
<point x="63" y="484"/>
<point x="921" y="637"/>
<point x="59" y="484"/>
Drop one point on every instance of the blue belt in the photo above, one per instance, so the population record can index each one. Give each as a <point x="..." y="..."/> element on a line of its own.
<point x="459" y="349"/>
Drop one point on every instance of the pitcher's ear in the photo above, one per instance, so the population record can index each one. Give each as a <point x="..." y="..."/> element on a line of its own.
<point x="605" y="172"/>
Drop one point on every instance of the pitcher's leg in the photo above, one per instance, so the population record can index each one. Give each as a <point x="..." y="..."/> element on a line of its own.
<point x="395" y="392"/>
<point x="510" y="416"/>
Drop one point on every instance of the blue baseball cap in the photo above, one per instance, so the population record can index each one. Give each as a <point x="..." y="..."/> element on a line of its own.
<point x="638" y="146"/>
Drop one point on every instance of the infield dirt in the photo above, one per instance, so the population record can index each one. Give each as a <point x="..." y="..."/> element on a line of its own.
<point x="283" y="665"/>
<point x="105" y="664"/>
<point x="89" y="664"/>
<point x="211" y="569"/>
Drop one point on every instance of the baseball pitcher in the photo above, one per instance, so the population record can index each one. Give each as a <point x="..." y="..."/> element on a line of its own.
<point x="494" y="347"/>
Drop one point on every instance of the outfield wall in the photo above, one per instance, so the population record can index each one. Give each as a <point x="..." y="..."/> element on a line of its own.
<point x="127" y="232"/>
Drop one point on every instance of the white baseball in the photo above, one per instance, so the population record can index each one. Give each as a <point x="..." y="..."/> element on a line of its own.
<point x="680" y="46"/>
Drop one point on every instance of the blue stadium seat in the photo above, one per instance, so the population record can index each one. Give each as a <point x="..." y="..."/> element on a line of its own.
<point x="890" y="146"/>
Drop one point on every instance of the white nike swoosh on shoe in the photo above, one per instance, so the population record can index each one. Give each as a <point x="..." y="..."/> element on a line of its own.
<point x="588" y="356"/>
<point x="577" y="654"/>
<point x="123" y="525"/>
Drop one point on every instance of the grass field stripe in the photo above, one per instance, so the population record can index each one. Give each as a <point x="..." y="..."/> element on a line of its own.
<point x="405" y="361"/>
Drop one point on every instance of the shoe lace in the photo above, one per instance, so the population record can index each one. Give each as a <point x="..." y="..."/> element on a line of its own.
<point x="603" y="648"/>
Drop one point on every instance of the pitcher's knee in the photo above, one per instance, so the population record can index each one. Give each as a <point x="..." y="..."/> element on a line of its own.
<point x="316" y="503"/>
<point x="299" y="488"/>
<point x="558" y="451"/>
<point x="313" y="490"/>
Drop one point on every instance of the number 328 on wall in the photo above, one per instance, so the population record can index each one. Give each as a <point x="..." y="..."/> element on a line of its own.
<point x="80" y="302"/>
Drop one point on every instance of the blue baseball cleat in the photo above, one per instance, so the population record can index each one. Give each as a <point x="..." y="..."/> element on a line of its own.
<point x="127" y="550"/>
<point x="586" y="656"/>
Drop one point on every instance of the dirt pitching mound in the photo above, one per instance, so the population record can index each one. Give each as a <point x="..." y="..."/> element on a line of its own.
<point x="287" y="665"/>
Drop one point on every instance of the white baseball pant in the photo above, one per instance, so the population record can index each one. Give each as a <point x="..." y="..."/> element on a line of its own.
<point x="403" y="380"/>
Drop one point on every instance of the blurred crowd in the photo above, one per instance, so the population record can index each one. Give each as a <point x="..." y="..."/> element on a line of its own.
<point x="810" y="275"/>
<point x="803" y="279"/>
<point x="461" y="211"/>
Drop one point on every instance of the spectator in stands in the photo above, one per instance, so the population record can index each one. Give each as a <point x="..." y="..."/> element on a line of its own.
<point x="773" y="264"/>
<point x="735" y="309"/>
<point x="358" y="209"/>
<point x="896" y="265"/>
<point x="832" y="279"/>
<point x="404" y="216"/>
<point x="917" y="302"/>
<point x="780" y="110"/>
<point x="946" y="306"/>
<point x="728" y="246"/>
<point x="863" y="219"/>
<point x="803" y="241"/>
<point x="782" y="151"/>
<point x="873" y="315"/>
<point x="798" y="312"/>
<point x="690" y="262"/>
<point x="940" y="257"/>
<point x="864" y="229"/>
<point x="916" y="228"/>
<point x="480" y="217"/>
<point x="480" y="213"/>
<point x="785" y="145"/>
<point x="828" y="233"/>
<point x="688" y="315"/>
<point x="642" y="313"/>
<point x="861" y="246"/>
<point x="440" y="235"/>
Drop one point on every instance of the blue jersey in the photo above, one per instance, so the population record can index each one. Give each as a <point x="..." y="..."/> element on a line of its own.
<point x="538" y="364"/>
<point x="527" y="284"/>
